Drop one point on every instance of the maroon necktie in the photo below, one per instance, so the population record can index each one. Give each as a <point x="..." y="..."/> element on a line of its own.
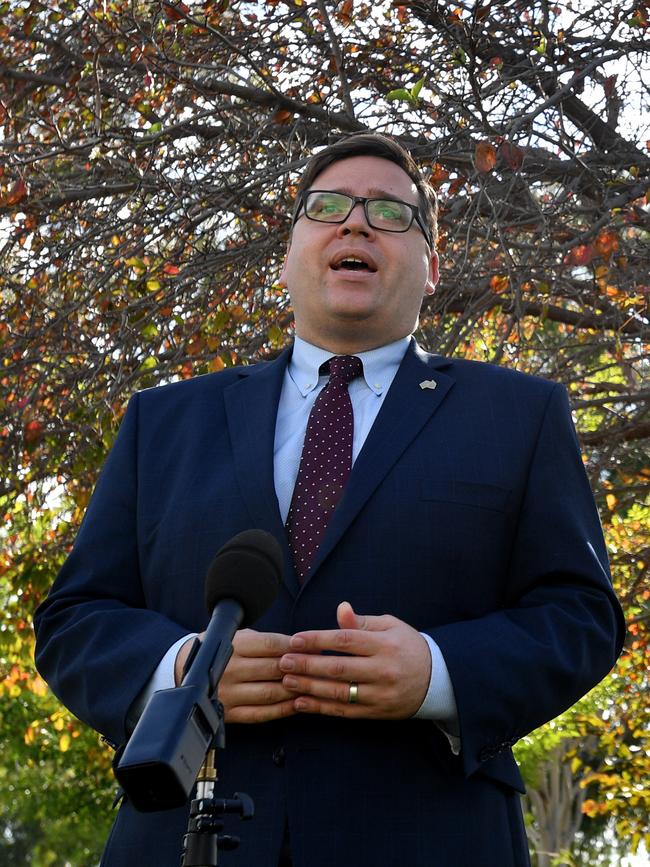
<point x="325" y="462"/>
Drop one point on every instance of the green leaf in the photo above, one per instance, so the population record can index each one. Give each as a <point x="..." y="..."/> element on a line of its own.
<point x="401" y="93"/>
<point x="417" y="87"/>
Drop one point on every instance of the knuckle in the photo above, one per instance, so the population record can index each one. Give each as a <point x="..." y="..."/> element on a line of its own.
<point x="342" y="693"/>
<point x="260" y="714"/>
<point x="344" y="638"/>
<point x="335" y="710"/>
<point x="269" y="642"/>
<point x="390" y="674"/>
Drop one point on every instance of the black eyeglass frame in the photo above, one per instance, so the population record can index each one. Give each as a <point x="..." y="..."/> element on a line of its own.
<point x="363" y="200"/>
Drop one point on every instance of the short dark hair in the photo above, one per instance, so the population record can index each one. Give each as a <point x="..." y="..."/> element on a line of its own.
<point x="374" y="144"/>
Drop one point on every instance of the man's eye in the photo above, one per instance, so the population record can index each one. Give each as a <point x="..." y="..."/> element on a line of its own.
<point x="326" y="207"/>
<point x="329" y="208"/>
<point x="388" y="211"/>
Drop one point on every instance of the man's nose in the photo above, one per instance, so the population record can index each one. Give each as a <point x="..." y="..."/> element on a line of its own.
<point x="356" y="222"/>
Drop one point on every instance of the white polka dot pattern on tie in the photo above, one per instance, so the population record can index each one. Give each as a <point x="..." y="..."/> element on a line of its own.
<point x="325" y="462"/>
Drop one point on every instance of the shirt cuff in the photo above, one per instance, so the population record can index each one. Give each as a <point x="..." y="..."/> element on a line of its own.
<point x="162" y="678"/>
<point x="439" y="703"/>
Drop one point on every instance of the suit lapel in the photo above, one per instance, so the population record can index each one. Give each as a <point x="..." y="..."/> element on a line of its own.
<point x="251" y="409"/>
<point x="405" y="411"/>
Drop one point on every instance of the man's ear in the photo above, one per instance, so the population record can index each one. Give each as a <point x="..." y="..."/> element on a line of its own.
<point x="434" y="275"/>
<point x="282" y="280"/>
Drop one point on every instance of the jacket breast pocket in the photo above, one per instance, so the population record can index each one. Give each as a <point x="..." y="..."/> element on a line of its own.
<point x="465" y="493"/>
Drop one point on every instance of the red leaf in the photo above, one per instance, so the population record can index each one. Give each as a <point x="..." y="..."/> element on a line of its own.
<point x="580" y="255"/>
<point x="402" y="14"/>
<point x="606" y="244"/>
<point x="175" y="13"/>
<point x="485" y="156"/>
<point x="170" y="269"/>
<point x="499" y="283"/>
<point x="439" y="174"/>
<point x="282" y="116"/>
<point x="512" y="154"/>
<point x="344" y="14"/>
<point x="33" y="432"/>
<point x="456" y="185"/>
<point x="16" y="194"/>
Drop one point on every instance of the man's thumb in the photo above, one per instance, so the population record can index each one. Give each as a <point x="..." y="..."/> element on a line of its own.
<point x="347" y="619"/>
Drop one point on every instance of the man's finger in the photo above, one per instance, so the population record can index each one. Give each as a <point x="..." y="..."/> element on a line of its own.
<point x="309" y="704"/>
<point x="245" y="669"/>
<point x="356" y="640"/>
<point x="341" y="668"/>
<point x="332" y="690"/>
<point x="256" y="694"/>
<point x="260" y="713"/>
<point x="347" y="618"/>
<point x="249" y="642"/>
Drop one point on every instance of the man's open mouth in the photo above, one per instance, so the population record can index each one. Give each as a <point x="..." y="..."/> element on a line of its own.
<point x="352" y="263"/>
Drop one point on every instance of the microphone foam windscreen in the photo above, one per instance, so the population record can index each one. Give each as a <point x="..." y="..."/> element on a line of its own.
<point x="248" y="569"/>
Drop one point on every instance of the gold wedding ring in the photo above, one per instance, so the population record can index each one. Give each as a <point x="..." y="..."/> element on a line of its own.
<point x="353" y="696"/>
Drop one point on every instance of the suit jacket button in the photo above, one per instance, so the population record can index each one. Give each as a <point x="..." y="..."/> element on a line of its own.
<point x="278" y="757"/>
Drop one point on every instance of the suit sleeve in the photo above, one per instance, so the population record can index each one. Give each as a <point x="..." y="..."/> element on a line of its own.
<point x="561" y="627"/>
<point x="97" y="644"/>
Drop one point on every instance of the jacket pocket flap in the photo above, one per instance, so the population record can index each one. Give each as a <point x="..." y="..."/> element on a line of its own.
<point x="467" y="493"/>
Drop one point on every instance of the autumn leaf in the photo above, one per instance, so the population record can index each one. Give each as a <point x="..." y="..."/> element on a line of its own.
<point x="176" y="12"/>
<point x="485" y="156"/>
<point x="512" y="155"/>
<point x="606" y="244"/>
<point x="283" y="115"/>
<point x="499" y="283"/>
<point x="16" y="194"/>
<point x="33" y="432"/>
<point x="580" y="255"/>
<point x="456" y="185"/>
<point x="439" y="174"/>
<point x="402" y="14"/>
<point x="344" y="14"/>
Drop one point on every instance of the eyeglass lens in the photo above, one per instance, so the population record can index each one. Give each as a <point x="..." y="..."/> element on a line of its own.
<point x="381" y="213"/>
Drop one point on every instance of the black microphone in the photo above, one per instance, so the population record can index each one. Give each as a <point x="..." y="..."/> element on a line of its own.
<point x="162" y="758"/>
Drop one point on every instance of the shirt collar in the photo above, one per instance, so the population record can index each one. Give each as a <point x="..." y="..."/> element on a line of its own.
<point x="379" y="365"/>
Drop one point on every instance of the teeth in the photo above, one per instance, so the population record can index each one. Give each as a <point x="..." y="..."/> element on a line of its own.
<point x="351" y="260"/>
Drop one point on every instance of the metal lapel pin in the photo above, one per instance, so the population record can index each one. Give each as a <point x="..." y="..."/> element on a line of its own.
<point x="428" y="383"/>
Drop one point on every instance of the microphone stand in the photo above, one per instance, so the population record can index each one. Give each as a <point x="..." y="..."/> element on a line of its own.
<point x="203" y="838"/>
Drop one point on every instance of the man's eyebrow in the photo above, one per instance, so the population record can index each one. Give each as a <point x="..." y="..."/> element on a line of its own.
<point x="372" y="193"/>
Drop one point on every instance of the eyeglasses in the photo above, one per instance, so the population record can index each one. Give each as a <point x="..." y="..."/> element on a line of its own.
<point x="387" y="215"/>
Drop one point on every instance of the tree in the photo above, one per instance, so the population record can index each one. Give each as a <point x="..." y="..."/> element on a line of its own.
<point x="149" y="152"/>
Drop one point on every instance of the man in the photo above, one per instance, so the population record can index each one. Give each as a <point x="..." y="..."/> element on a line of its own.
<point x="458" y="573"/>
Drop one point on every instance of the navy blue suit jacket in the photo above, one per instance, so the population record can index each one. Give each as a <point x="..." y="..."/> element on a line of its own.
<point x="467" y="514"/>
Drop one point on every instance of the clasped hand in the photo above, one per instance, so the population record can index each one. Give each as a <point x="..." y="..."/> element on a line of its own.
<point x="271" y="675"/>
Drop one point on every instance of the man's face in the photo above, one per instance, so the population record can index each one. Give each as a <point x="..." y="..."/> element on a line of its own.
<point x="353" y="309"/>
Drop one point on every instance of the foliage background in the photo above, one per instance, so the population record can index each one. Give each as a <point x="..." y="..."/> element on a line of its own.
<point x="148" y="157"/>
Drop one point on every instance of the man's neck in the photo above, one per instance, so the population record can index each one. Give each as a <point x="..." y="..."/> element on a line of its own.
<point x="342" y="346"/>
